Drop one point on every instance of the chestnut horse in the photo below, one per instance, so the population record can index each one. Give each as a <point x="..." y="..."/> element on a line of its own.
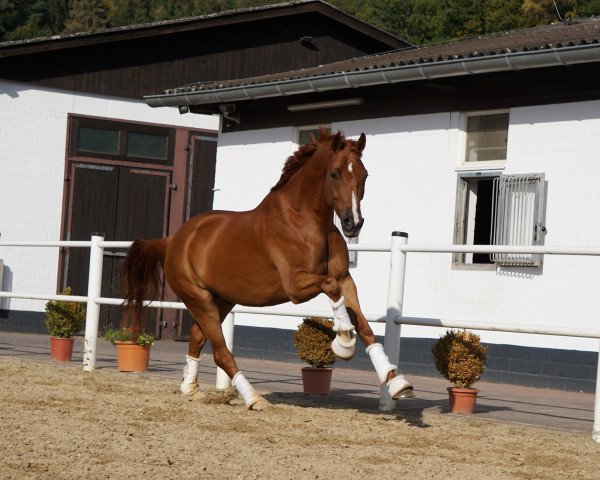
<point x="287" y="248"/>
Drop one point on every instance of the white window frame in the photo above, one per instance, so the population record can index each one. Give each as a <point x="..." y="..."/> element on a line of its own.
<point x="464" y="220"/>
<point x="305" y="128"/>
<point x="462" y="142"/>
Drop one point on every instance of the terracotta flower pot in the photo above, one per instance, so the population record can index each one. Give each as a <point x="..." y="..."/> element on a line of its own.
<point x="132" y="357"/>
<point x="61" y="349"/>
<point x="462" y="400"/>
<point x="316" y="381"/>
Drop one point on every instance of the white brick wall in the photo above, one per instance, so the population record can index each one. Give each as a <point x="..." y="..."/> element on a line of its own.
<point x="412" y="164"/>
<point x="33" y="132"/>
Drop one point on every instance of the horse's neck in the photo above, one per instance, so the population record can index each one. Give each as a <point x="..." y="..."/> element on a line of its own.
<point x="304" y="192"/>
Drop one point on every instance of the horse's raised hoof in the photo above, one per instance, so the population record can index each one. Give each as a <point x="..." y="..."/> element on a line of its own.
<point x="258" y="404"/>
<point x="399" y="387"/>
<point x="345" y="352"/>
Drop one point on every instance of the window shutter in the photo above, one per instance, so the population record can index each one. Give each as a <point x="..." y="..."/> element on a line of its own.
<point x="517" y="217"/>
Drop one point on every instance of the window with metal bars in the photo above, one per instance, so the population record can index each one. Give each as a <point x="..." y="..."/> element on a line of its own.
<point x="495" y="209"/>
<point x="517" y="217"/>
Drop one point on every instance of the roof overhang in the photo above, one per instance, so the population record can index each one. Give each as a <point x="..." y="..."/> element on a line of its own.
<point x="515" y="61"/>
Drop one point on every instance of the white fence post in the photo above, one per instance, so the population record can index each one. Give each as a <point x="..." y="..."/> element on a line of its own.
<point x="223" y="380"/>
<point x="394" y="312"/>
<point x="596" y="427"/>
<point x="92" y="318"/>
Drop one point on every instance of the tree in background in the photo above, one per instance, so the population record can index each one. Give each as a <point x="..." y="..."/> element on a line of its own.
<point x="87" y="15"/>
<point x="543" y="12"/>
<point x="416" y="21"/>
<point x="31" y="18"/>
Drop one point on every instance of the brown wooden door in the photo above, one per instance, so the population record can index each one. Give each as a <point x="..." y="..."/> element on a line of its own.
<point x="123" y="203"/>
<point x="201" y="172"/>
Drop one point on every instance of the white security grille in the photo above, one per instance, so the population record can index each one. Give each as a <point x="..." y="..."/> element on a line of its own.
<point x="517" y="217"/>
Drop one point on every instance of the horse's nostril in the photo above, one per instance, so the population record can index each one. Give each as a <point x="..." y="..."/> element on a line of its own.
<point x="348" y="223"/>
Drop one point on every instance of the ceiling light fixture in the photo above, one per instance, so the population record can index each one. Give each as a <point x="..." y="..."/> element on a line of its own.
<point x="346" y="102"/>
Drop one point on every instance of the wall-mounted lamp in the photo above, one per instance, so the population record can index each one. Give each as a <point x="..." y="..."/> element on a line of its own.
<point x="184" y="109"/>
<point x="228" y="110"/>
<point x="346" y="102"/>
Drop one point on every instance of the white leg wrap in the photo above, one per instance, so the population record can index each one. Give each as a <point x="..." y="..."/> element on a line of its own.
<point x="341" y="319"/>
<point x="245" y="390"/>
<point x="343" y="345"/>
<point x="189" y="385"/>
<point x="380" y="361"/>
<point x="399" y="387"/>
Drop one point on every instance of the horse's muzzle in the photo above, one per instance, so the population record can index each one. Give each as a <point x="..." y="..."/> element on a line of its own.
<point x="350" y="228"/>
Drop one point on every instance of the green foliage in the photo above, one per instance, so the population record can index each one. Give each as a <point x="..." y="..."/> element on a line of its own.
<point x="313" y="341"/>
<point x="460" y="357"/>
<point x="86" y="15"/>
<point x="64" y="319"/>
<point x="114" y="335"/>
<point x="416" y="21"/>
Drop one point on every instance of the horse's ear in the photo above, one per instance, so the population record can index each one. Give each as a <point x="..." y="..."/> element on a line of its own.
<point x="361" y="142"/>
<point x="313" y="139"/>
<point x="336" y="141"/>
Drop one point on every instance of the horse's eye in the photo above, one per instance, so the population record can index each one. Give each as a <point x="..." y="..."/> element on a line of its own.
<point x="335" y="175"/>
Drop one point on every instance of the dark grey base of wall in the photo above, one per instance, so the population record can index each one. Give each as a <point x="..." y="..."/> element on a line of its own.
<point x="23" y="322"/>
<point x="568" y="370"/>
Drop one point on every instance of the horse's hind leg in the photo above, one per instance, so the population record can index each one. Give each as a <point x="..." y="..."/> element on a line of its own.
<point x="189" y="384"/>
<point x="209" y="313"/>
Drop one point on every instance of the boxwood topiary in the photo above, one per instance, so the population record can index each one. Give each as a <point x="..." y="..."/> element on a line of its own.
<point x="313" y="341"/>
<point x="460" y="357"/>
<point x="63" y="318"/>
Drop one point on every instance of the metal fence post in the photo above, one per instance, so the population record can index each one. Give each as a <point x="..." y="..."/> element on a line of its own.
<point x="92" y="318"/>
<point x="394" y="312"/>
<point x="223" y="380"/>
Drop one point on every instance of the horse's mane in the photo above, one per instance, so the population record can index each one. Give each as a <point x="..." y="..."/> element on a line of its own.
<point x="301" y="156"/>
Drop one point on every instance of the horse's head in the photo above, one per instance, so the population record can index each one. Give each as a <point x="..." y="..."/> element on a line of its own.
<point x="345" y="182"/>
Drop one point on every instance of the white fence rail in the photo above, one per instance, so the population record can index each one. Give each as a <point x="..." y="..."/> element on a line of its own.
<point x="393" y="318"/>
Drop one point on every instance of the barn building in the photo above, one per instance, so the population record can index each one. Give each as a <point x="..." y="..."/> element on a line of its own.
<point x="492" y="140"/>
<point x="83" y="153"/>
<point x="450" y="128"/>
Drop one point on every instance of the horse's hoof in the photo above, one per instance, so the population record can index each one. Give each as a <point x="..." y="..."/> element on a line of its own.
<point x="399" y="387"/>
<point x="189" y="388"/>
<point x="346" y="338"/>
<point x="259" y="404"/>
<point x="341" y="351"/>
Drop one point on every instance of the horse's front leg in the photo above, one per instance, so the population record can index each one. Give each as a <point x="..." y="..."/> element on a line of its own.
<point x="397" y="385"/>
<point x="348" y="317"/>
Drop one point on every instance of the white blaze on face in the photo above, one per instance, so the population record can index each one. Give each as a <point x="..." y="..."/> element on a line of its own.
<point x="350" y="167"/>
<point x="355" y="209"/>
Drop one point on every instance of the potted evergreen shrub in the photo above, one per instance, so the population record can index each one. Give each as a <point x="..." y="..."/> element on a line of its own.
<point x="313" y="341"/>
<point x="461" y="359"/>
<point x="133" y="351"/>
<point x="63" y="320"/>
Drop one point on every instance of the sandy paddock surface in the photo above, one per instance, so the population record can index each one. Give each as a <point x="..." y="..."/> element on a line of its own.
<point x="60" y="423"/>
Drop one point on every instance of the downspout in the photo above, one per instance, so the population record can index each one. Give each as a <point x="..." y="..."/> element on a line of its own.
<point x="551" y="57"/>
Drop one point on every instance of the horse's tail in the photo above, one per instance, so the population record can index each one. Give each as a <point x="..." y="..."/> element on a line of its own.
<point x="140" y="278"/>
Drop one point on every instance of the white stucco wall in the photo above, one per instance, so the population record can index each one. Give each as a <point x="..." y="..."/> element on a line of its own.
<point x="412" y="163"/>
<point x="33" y="134"/>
